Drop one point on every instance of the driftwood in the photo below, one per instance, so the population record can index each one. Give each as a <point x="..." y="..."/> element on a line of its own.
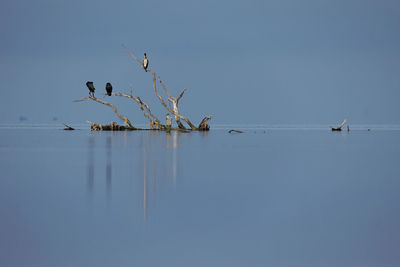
<point x="338" y="128"/>
<point x="155" y="123"/>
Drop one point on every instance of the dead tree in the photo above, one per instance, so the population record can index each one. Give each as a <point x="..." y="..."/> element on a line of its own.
<point x="155" y="123"/>
<point x="174" y="101"/>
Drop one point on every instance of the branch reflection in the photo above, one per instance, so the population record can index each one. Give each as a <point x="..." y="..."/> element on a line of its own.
<point x="158" y="163"/>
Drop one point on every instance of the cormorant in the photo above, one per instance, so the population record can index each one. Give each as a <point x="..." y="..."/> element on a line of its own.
<point x="91" y="88"/>
<point x="145" y="62"/>
<point x="109" y="89"/>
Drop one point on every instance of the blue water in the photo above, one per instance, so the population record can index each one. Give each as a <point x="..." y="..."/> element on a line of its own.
<point x="271" y="196"/>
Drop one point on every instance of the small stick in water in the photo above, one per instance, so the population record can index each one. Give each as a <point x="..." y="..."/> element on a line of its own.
<point x="68" y="128"/>
<point x="234" y="131"/>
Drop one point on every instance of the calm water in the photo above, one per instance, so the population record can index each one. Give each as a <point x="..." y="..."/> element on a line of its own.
<point x="267" y="197"/>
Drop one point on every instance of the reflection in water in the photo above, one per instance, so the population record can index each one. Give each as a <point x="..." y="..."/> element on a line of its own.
<point x="90" y="177"/>
<point x="144" y="181"/>
<point x="157" y="161"/>
<point x="108" y="167"/>
<point x="173" y="145"/>
<point x="90" y="165"/>
<point x="151" y="158"/>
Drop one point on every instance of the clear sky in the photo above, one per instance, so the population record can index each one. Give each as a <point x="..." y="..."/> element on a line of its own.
<point x="278" y="62"/>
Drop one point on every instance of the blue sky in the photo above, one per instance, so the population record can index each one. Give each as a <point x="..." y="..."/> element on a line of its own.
<point x="278" y="62"/>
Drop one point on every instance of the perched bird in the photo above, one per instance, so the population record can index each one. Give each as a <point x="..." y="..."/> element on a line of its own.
<point x="91" y="88"/>
<point x="109" y="89"/>
<point x="145" y="62"/>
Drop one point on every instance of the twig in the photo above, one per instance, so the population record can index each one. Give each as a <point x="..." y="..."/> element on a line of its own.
<point x="234" y="131"/>
<point x="68" y="128"/>
<point x="133" y="55"/>
<point x="165" y="89"/>
<point x="180" y="95"/>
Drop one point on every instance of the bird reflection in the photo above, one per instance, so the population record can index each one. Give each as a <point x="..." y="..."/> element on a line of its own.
<point x="90" y="174"/>
<point x="108" y="166"/>
<point x="90" y="165"/>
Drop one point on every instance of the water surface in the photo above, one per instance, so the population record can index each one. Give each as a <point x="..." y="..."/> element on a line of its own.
<point x="272" y="196"/>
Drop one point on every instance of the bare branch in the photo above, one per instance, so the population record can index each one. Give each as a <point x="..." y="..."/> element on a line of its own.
<point x="133" y="55"/>
<point x="174" y="101"/>
<point x="165" y="105"/>
<point x="83" y="99"/>
<point x="165" y="89"/>
<point x="125" y="119"/>
<point x="341" y="125"/>
<point x="142" y="104"/>
<point x="180" y="95"/>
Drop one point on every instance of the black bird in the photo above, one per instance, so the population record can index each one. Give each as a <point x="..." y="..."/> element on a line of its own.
<point x="91" y="88"/>
<point x="109" y="89"/>
<point x="145" y="62"/>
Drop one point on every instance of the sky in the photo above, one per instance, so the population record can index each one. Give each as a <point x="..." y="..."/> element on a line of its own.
<point x="243" y="62"/>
